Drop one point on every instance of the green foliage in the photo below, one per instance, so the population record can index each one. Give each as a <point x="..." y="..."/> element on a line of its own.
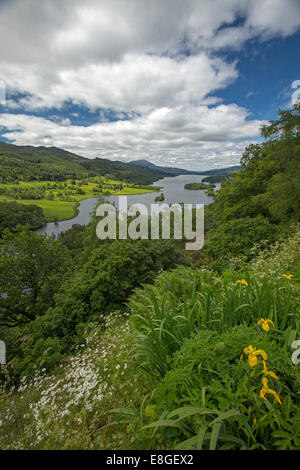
<point x="195" y="186"/>
<point x="109" y="277"/>
<point x="214" y="431"/>
<point x="219" y="177"/>
<point x="13" y="214"/>
<point x="35" y="355"/>
<point x="50" y="163"/>
<point x="268" y="184"/>
<point x="31" y="270"/>
<point x="177" y="381"/>
<point x="102" y="284"/>
<point x="237" y="237"/>
<point x="160" y="198"/>
<point x="184" y="301"/>
<point x="67" y="407"/>
<point x="288" y="124"/>
<point x="216" y="379"/>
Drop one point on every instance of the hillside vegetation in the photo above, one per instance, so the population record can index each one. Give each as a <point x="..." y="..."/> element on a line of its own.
<point x="29" y="163"/>
<point x="123" y="344"/>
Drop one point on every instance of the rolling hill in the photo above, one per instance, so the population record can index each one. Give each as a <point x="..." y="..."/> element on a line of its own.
<point x="28" y="163"/>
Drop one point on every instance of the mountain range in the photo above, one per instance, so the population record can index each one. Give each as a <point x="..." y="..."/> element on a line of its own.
<point x="180" y="171"/>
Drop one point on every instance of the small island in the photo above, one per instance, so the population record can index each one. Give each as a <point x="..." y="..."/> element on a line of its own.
<point x="199" y="186"/>
<point x="160" y="198"/>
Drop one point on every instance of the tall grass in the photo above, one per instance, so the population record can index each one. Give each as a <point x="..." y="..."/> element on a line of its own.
<point x="186" y="300"/>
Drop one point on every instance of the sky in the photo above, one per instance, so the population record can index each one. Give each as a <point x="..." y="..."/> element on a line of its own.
<point x="185" y="83"/>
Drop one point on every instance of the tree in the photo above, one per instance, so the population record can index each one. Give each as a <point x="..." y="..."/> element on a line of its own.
<point x="288" y="124"/>
<point x="31" y="270"/>
<point x="13" y="214"/>
<point x="268" y="184"/>
<point x="105" y="282"/>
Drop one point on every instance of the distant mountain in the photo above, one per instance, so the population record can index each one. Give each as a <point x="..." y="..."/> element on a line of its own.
<point x="164" y="169"/>
<point x="228" y="169"/>
<point x="180" y="171"/>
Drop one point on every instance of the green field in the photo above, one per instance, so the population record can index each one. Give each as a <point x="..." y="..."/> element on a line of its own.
<point x="53" y="210"/>
<point x="59" y="200"/>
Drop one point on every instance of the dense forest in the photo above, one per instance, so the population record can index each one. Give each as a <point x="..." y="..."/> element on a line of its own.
<point x="123" y="344"/>
<point x="13" y="214"/>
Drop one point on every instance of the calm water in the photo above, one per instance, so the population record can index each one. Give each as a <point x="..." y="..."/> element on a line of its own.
<point x="172" y="187"/>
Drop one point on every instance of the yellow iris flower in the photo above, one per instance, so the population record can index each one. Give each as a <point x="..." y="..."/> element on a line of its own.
<point x="265" y="390"/>
<point x="288" y="276"/>
<point x="252" y="355"/>
<point x="265" y="324"/>
<point x="265" y="371"/>
<point x="242" y="281"/>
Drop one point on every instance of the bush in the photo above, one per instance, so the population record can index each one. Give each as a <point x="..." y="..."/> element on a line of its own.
<point x="236" y="238"/>
<point x="104" y="284"/>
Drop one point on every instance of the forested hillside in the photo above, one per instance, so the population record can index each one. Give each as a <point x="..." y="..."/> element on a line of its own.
<point x="29" y="163"/>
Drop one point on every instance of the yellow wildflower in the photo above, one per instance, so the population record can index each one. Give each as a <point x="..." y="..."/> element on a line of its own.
<point x="242" y="281"/>
<point x="265" y="371"/>
<point x="265" y="323"/>
<point x="288" y="276"/>
<point x="265" y="390"/>
<point x="252" y="355"/>
<point x="255" y="420"/>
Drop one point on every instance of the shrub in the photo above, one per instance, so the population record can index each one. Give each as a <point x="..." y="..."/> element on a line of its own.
<point x="237" y="237"/>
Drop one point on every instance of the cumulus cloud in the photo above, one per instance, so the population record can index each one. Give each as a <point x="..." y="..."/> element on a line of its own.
<point x="72" y="32"/>
<point x="156" y="62"/>
<point x="138" y="82"/>
<point x="186" y="135"/>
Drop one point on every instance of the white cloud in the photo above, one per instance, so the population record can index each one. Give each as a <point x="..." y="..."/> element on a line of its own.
<point x="138" y="82"/>
<point x="188" y="136"/>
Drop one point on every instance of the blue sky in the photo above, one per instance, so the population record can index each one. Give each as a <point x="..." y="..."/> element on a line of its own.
<point x="267" y="71"/>
<point x="179" y="83"/>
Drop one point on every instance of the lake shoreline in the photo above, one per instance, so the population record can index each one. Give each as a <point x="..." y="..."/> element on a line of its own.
<point x="70" y="205"/>
<point x="171" y="187"/>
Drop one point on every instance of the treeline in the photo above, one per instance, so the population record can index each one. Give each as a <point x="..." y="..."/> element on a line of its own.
<point x="22" y="192"/>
